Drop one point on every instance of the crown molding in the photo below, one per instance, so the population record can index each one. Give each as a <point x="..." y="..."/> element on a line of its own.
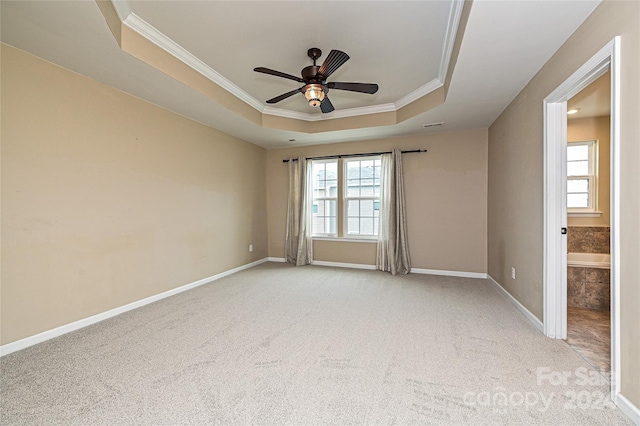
<point x="139" y="25"/>
<point x="122" y="8"/>
<point x="455" y="14"/>
<point x="350" y="112"/>
<point x="434" y="84"/>
<point x="148" y="31"/>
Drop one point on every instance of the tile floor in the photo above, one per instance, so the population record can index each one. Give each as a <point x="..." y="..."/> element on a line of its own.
<point x="589" y="334"/>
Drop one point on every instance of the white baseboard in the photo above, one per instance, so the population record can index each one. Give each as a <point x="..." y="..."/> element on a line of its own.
<point x="76" y="325"/>
<point x="527" y="313"/>
<point x="343" y="265"/>
<point x="449" y="273"/>
<point x="373" y="268"/>
<point x="628" y="408"/>
<point x="324" y="263"/>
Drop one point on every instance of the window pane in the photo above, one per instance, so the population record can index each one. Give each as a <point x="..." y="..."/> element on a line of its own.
<point x="577" y="152"/>
<point x="353" y="225"/>
<point x="353" y="188"/>
<point x="322" y="210"/>
<point x="332" y="170"/>
<point x="353" y="170"/>
<point x="353" y="208"/>
<point x="366" y="208"/>
<point x="318" y="225"/>
<point x="366" y="226"/>
<point x="578" y="185"/>
<point x="331" y="206"/>
<point x="577" y="200"/>
<point x="366" y="188"/>
<point x="577" y="168"/>
<point x="366" y="172"/>
<point x="332" y="188"/>
<point x="318" y="172"/>
<point x="332" y="225"/>
<point x="324" y="219"/>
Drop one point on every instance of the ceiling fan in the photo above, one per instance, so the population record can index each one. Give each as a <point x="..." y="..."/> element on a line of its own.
<point x="314" y="77"/>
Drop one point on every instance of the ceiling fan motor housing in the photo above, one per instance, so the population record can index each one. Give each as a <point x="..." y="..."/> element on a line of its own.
<point x="310" y="74"/>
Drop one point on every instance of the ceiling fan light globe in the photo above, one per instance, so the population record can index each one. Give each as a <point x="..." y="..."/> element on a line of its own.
<point x="314" y="94"/>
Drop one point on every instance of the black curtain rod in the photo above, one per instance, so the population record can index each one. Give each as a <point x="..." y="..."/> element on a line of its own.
<point x="365" y="154"/>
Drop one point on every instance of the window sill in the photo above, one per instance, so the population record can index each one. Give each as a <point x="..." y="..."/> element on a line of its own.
<point x="584" y="214"/>
<point x="347" y="239"/>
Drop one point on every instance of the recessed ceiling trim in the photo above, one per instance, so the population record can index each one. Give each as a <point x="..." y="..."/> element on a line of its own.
<point x="350" y="112"/>
<point x="122" y="8"/>
<point x="450" y="37"/>
<point x="148" y="31"/>
<point x="151" y="33"/>
<point x="418" y="93"/>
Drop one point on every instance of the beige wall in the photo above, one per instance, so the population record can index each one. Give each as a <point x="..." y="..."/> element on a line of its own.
<point x="107" y="199"/>
<point x="446" y="193"/>
<point x="515" y="203"/>
<point x="584" y="129"/>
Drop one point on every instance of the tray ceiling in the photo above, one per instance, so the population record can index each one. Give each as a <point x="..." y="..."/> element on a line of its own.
<point x="402" y="46"/>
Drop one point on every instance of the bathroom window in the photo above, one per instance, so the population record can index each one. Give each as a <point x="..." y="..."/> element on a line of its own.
<point x="581" y="176"/>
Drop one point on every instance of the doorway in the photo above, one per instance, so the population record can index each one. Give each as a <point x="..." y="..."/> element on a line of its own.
<point x="588" y="224"/>
<point x="555" y="244"/>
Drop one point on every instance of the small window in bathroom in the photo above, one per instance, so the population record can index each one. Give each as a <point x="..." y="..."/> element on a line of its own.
<point x="581" y="176"/>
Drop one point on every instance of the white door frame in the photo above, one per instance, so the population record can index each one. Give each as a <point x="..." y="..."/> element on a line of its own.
<point x="555" y="204"/>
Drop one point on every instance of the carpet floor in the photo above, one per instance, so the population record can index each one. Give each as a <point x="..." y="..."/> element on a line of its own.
<point x="277" y="344"/>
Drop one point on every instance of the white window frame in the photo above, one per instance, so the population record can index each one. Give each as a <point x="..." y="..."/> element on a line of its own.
<point x="342" y="203"/>
<point x="591" y="177"/>
<point x="336" y="198"/>
<point x="346" y="198"/>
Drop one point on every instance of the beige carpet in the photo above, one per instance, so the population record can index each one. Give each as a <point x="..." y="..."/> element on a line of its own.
<point x="311" y="345"/>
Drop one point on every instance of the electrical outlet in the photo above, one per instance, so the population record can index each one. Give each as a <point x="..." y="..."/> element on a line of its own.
<point x="250" y="247"/>
<point x="513" y="273"/>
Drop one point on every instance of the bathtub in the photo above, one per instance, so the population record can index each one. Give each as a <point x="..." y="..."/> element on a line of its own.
<point x="589" y="260"/>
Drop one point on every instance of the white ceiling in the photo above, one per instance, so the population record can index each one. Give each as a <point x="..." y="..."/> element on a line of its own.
<point x="398" y="45"/>
<point x="235" y="37"/>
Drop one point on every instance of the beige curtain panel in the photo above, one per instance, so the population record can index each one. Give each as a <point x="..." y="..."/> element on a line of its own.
<point x="393" y="245"/>
<point x="298" y="244"/>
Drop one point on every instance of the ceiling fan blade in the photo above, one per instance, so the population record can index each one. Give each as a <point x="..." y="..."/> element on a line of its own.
<point x="326" y="105"/>
<point x="354" y="87"/>
<point x="284" y="96"/>
<point x="278" y="74"/>
<point x="334" y="61"/>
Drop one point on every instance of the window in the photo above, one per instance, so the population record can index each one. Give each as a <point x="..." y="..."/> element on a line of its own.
<point x="362" y="196"/>
<point x="581" y="176"/>
<point x="325" y="195"/>
<point x="346" y="197"/>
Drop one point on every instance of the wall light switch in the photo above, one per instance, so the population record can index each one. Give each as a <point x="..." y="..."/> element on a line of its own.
<point x="250" y="247"/>
<point x="513" y="273"/>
